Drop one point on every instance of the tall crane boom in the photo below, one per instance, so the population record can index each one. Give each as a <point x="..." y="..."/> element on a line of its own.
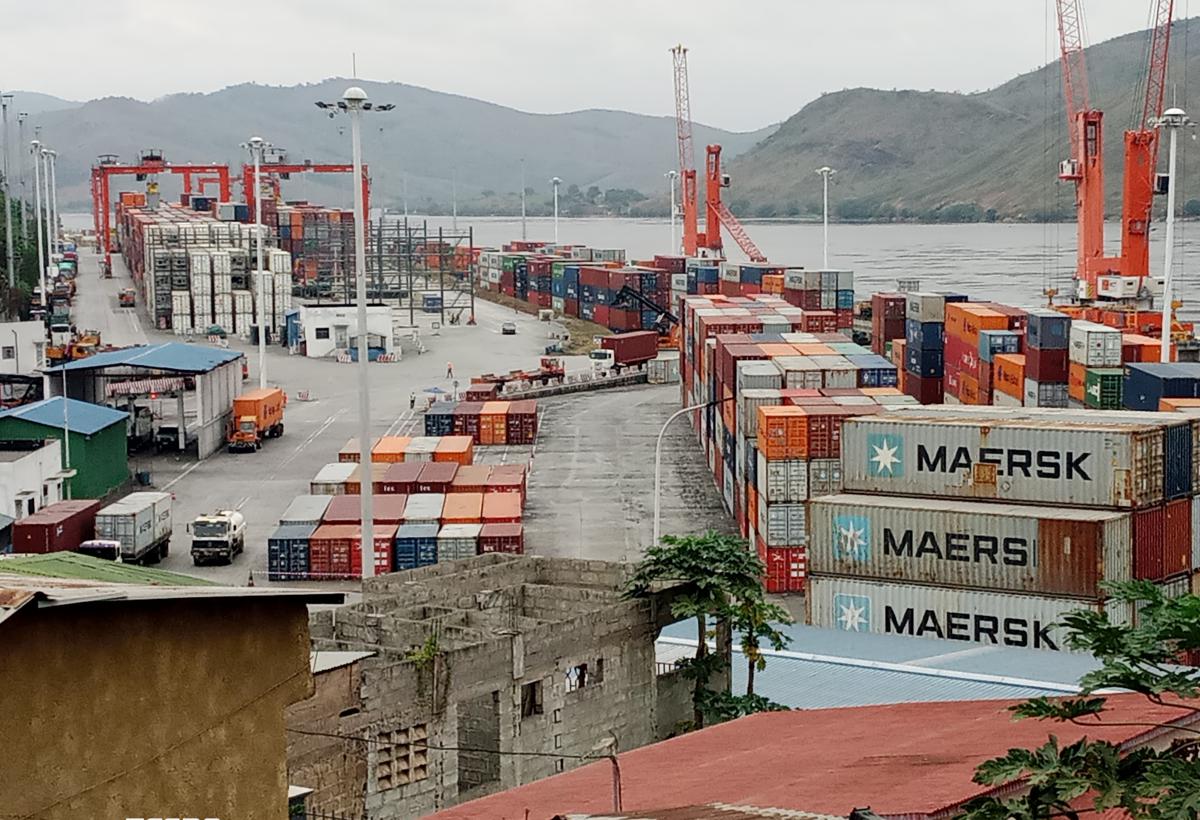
<point x="687" y="158"/>
<point x="1074" y="64"/>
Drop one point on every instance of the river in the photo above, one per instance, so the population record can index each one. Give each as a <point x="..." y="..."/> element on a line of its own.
<point x="1012" y="263"/>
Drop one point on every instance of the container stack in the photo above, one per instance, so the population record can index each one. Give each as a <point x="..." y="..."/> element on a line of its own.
<point x="888" y="320"/>
<point x="1094" y="376"/>
<point x="486" y="423"/>
<point x="924" y="347"/>
<point x="1047" y="359"/>
<point x="822" y="290"/>
<point x="989" y="524"/>
<point x="964" y="322"/>
<point x="319" y="241"/>
<point x="1156" y="386"/>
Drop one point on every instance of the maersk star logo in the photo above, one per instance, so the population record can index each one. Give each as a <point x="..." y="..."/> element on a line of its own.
<point x="853" y="612"/>
<point x="884" y="456"/>
<point x="853" y="534"/>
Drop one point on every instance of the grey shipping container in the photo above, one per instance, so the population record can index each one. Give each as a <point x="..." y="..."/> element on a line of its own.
<point x="141" y="522"/>
<point x="975" y="616"/>
<point x="306" y="509"/>
<point x="1022" y="458"/>
<point x="1023" y="548"/>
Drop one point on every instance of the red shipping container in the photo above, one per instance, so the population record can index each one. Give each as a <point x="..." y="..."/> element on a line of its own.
<point x="435" y="476"/>
<point x="571" y="307"/>
<point x="786" y="569"/>
<point x="466" y="413"/>
<point x="55" y="528"/>
<point x="1047" y="366"/>
<point x="600" y="315"/>
<point x="347" y="509"/>
<point x="472" y="478"/>
<point x="929" y="390"/>
<point x="508" y="478"/>
<point x="522" y="422"/>
<point x="1162" y="540"/>
<point x="502" y="538"/>
<point x="810" y="299"/>
<point x="401" y="478"/>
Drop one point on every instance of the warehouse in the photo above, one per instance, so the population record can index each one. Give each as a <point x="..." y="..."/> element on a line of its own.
<point x="203" y="381"/>
<point x="95" y="436"/>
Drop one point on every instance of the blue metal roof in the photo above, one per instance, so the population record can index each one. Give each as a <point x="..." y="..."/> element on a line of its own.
<point x="174" y="356"/>
<point x="824" y="668"/>
<point x="81" y="417"/>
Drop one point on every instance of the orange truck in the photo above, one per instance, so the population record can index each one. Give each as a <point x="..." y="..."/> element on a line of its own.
<point x="257" y="415"/>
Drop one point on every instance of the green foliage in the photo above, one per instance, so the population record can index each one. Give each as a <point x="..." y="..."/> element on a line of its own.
<point x="424" y="656"/>
<point x="719" y="707"/>
<point x="1147" y="782"/>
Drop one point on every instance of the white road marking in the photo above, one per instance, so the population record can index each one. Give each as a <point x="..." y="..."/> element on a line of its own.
<point x="172" y="482"/>
<point x="243" y="502"/>
<point x="300" y="448"/>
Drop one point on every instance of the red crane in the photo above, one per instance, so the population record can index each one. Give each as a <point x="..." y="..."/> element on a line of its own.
<point x="272" y="171"/>
<point x="150" y="163"/>
<point x="716" y="212"/>
<point x="1085" y="167"/>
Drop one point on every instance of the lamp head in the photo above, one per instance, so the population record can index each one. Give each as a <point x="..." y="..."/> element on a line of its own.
<point x="354" y="96"/>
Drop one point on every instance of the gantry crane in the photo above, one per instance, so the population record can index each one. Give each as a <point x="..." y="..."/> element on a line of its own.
<point x="716" y="212"/>
<point x="1085" y="167"/>
<point x="272" y="172"/>
<point x="151" y="162"/>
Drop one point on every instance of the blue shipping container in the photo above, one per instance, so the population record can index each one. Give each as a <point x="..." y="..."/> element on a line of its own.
<point x="708" y="276"/>
<point x="1148" y="382"/>
<point x="924" y="363"/>
<point x="1047" y="329"/>
<point x="845" y="300"/>
<point x="1177" y="461"/>
<point x="415" y="546"/>
<point x="439" y="421"/>
<point x="287" y="552"/>
<point x="956" y="297"/>
<point x="994" y="343"/>
<point x="923" y="335"/>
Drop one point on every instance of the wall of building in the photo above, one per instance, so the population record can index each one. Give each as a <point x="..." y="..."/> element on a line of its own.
<point x="333" y="767"/>
<point x="30" y="481"/>
<point x="215" y="392"/>
<point x="24" y="352"/>
<point x="162" y="708"/>
<point x="321" y="324"/>
<point x="101" y="460"/>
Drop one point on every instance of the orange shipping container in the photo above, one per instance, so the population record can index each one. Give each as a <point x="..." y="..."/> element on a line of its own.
<point x="349" y="451"/>
<point x="1076" y="379"/>
<point x="1178" y="405"/>
<point x="813" y="349"/>
<point x="976" y="319"/>
<point x="1008" y="374"/>
<point x="459" y="449"/>
<point x="493" y="423"/>
<point x="390" y="449"/>
<point x="354" y="482"/>
<point x="471" y="479"/>
<point x="463" y="508"/>
<point x="783" y="432"/>
<point x="777" y="349"/>
<point x="968" y="389"/>
<point x="500" y="508"/>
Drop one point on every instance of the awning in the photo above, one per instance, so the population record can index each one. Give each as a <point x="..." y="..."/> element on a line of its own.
<point x="139" y="387"/>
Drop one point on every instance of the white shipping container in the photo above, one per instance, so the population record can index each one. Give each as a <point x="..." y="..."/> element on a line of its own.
<point x="748" y="402"/>
<point x="221" y="263"/>
<point x="1000" y="399"/>
<point x="925" y="307"/>
<point x="974" y="616"/>
<point x="306" y="509"/>
<point x="138" y="521"/>
<point x="758" y="374"/>
<point x="1023" y="548"/>
<point x="664" y="369"/>
<point x="782" y="482"/>
<point x="424" y="508"/>
<point x="1008" y="454"/>
<point x="828" y="300"/>
<point x="799" y="372"/>
<point x="793" y="279"/>
<point x="783" y="525"/>
<point x="824" y="477"/>
<point x="331" y="479"/>
<point x="1095" y="345"/>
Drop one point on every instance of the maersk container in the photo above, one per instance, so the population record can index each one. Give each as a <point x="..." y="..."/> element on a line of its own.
<point x="1006" y="454"/>
<point x="974" y="616"/>
<point x="1041" y="550"/>
<point x="758" y="374"/>
<point x="305" y="510"/>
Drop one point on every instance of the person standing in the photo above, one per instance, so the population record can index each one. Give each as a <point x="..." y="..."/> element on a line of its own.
<point x="412" y="400"/>
<point x="449" y="370"/>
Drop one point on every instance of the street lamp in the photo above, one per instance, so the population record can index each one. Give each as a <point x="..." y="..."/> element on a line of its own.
<point x="658" y="457"/>
<point x="1172" y="119"/>
<point x="555" y="181"/>
<point x="5" y="102"/>
<point x="354" y="102"/>
<point x="54" y="237"/>
<point x="35" y="147"/>
<point x="826" y="172"/>
<point x="257" y="146"/>
<point x="524" y="235"/>
<point x="454" y="201"/>
<point x="21" y="117"/>
<point x="671" y="177"/>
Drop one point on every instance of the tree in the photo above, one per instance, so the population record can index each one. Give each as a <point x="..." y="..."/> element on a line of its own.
<point x="593" y="194"/>
<point x="754" y="617"/>
<point x="573" y="191"/>
<point x="1148" y="782"/>
<point x="722" y="575"/>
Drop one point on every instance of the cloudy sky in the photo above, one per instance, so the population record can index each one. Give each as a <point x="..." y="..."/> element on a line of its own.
<point x="752" y="62"/>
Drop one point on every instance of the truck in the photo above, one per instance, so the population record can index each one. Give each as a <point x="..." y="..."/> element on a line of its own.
<point x="167" y="438"/>
<point x="127" y="298"/>
<point x="622" y="350"/>
<point x="550" y="370"/>
<point x="217" y="536"/>
<point x="140" y="523"/>
<point x="257" y="415"/>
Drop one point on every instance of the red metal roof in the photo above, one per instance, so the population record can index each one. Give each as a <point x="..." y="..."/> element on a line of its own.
<point x="913" y="759"/>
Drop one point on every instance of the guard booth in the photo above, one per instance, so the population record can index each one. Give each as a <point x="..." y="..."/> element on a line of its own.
<point x="192" y="386"/>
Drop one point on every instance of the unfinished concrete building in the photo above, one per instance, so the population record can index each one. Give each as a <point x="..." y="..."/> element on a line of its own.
<point x="485" y="674"/>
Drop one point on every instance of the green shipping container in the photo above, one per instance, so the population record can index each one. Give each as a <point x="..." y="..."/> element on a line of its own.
<point x="1102" y="388"/>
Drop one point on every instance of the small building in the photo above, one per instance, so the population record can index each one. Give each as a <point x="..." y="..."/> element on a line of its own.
<point x="514" y="667"/>
<point x="168" y="692"/>
<point x="22" y="347"/>
<point x="95" y="437"/>
<point x="31" y="475"/>
<point x="330" y="329"/>
<point x="912" y="760"/>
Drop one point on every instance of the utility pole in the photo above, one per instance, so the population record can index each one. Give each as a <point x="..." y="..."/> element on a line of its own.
<point x="21" y="117"/>
<point x="454" y="201"/>
<point x="556" y="182"/>
<point x="256" y="146"/>
<point x="55" y="242"/>
<point x="471" y="273"/>
<point x="1172" y="119"/>
<point x="5" y="102"/>
<point x="671" y="177"/>
<point x="524" y="235"/>
<point x="35" y="148"/>
<point x="406" y="196"/>
<point x="826" y="172"/>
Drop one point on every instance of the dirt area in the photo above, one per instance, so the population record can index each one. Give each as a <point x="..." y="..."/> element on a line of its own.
<point x="582" y="332"/>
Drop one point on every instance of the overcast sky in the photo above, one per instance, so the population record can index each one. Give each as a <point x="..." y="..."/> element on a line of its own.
<point x="752" y="62"/>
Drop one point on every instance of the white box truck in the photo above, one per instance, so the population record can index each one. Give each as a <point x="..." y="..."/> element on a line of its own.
<point x="141" y="523"/>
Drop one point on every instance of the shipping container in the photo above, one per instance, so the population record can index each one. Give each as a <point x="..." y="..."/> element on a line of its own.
<point x="141" y="522"/>
<point x="415" y="545"/>
<point x="287" y="551"/>
<point x="56" y="527"/>
<point x="472" y="478"/>
<point x="463" y="508"/>
<point x="305" y="510"/>
<point x="1015" y="455"/>
<point x="401" y="478"/>
<point x="331" y="479"/>
<point x="501" y="508"/>
<point x="435" y="477"/>
<point x="387" y="449"/>
<point x="424" y="508"/>
<point x="347" y="509"/>
<point x="1042" y="550"/>
<point x="502" y="538"/>
<point x="1162" y="540"/>
<point x="457" y="541"/>
<point x="975" y="616"/>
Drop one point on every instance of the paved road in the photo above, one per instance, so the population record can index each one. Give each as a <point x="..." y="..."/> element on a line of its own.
<point x="96" y="303"/>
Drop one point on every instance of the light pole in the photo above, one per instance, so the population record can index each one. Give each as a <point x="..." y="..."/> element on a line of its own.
<point x="21" y="117"/>
<point x="658" y="458"/>
<point x="45" y="152"/>
<point x="5" y="102"/>
<point x="1172" y="119"/>
<point x="556" y="182"/>
<point x="454" y="201"/>
<point x="524" y="235"/>
<point x="55" y="237"/>
<point x="671" y="177"/>
<point x="354" y="102"/>
<point x="826" y="172"/>
<point x="256" y="146"/>
<point x="35" y="148"/>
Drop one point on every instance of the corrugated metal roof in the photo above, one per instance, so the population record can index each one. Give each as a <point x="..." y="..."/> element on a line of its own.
<point x="825" y="668"/>
<point x="712" y="811"/>
<point x="80" y="416"/>
<point x="176" y="357"/>
<point x="323" y="661"/>
<point x="73" y="566"/>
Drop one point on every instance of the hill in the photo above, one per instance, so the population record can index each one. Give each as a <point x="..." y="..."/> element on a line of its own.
<point x="935" y="155"/>
<point x="430" y="136"/>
